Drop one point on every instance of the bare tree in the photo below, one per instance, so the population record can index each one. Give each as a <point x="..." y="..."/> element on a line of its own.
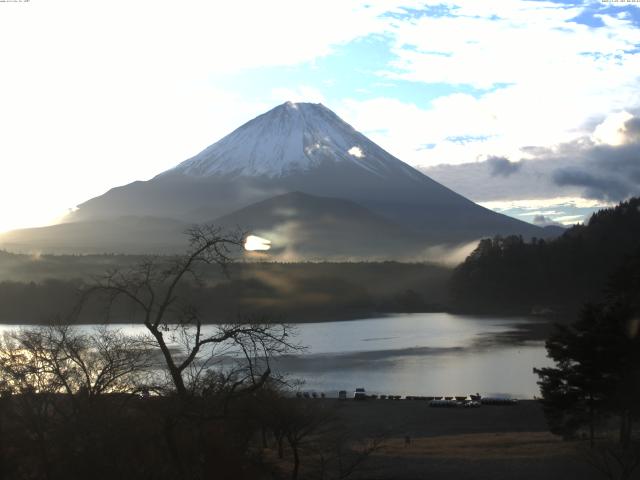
<point x="152" y="287"/>
<point x="53" y="376"/>
<point x="60" y="359"/>
<point x="34" y="394"/>
<point x="320" y="445"/>
<point x="302" y="423"/>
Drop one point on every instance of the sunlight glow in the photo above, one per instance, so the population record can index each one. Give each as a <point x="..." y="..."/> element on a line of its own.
<point x="612" y="130"/>
<point x="253" y="242"/>
<point x="28" y="214"/>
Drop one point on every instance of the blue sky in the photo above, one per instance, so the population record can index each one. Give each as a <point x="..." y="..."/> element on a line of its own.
<point x="352" y="71"/>
<point x="96" y="95"/>
<point x="356" y="69"/>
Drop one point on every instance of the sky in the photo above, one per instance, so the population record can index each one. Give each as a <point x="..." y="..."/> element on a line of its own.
<point x="531" y="108"/>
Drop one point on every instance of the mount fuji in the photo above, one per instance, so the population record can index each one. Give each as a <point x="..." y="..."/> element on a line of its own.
<point x="295" y="147"/>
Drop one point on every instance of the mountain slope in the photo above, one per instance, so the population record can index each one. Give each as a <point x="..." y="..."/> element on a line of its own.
<point x="307" y="148"/>
<point x="290" y="139"/>
<point x="299" y="147"/>
<point x="302" y="226"/>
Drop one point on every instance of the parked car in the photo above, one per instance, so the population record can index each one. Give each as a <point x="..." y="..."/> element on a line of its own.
<point x="360" y="394"/>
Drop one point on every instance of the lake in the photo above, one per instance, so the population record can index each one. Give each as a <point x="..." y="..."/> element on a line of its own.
<point x="419" y="354"/>
<point x="414" y="354"/>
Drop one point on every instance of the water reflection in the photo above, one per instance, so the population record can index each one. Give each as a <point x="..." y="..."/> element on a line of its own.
<point x="420" y="354"/>
<point x="413" y="354"/>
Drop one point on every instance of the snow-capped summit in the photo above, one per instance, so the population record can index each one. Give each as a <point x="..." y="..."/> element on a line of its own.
<point x="291" y="138"/>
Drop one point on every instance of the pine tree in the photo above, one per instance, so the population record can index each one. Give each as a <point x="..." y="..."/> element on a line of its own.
<point x="597" y="371"/>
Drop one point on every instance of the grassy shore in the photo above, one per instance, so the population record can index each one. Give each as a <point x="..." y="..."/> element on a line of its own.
<point x="490" y="442"/>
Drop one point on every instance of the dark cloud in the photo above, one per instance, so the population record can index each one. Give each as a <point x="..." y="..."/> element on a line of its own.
<point x="535" y="150"/>
<point x="544" y="221"/>
<point x="477" y="181"/>
<point x="502" y="166"/>
<point x="599" y="186"/>
<point x="632" y="129"/>
<point x="581" y="168"/>
<point x="605" y="172"/>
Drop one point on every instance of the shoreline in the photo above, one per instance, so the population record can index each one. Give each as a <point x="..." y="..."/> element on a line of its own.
<point x="485" y="443"/>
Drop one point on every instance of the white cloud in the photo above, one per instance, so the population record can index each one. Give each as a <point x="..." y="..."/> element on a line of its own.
<point x="547" y="211"/>
<point x="569" y="219"/>
<point x="397" y="126"/>
<point x="612" y="129"/>
<point x="303" y="93"/>
<point x="485" y="43"/>
<point x="540" y="212"/>
<point x="98" y="94"/>
<point x="559" y="73"/>
<point x="550" y="77"/>
<point x="456" y="129"/>
<point x="544" y="203"/>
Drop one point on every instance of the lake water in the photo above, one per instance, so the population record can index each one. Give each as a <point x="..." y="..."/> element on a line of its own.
<point x="419" y="354"/>
<point x="414" y="354"/>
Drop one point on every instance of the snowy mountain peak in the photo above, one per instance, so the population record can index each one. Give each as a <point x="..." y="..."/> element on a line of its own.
<point x="291" y="138"/>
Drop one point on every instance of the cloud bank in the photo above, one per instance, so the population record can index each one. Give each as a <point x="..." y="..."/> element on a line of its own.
<point x="501" y="166"/>
<point x="587" y="168"/>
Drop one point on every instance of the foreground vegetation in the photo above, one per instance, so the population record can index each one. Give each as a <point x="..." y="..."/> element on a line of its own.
<point x="174" y="402"/>
<point x="595" y="383"/>
<point x="91" y="405"/>
<point x="78" y="405"/>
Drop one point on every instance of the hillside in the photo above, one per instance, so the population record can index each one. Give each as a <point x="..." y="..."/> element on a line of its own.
<point x="508" y="274"/>
<point x="301" y="226"/>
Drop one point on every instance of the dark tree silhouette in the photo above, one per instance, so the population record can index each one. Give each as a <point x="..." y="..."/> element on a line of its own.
<point x="60" y="386"/>
<point x="152" y="287"/>
<point x="508" y="274"/>
<point x="598" y="362"/>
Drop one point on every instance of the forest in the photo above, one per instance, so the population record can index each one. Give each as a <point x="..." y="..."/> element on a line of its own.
<point x="511" y="275"/>
<point x="37" y="290"/>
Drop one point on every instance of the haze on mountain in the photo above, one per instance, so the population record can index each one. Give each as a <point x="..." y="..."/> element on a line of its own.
<point x="299" y="175"/>
<point x="300" y="225"/>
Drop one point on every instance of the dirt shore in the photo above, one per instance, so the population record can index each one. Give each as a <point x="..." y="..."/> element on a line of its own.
<point x="490" y="442"/>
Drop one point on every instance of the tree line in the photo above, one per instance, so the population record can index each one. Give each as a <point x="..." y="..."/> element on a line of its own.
<point x="509" y="274"/>
<point x="314" y="293"/>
